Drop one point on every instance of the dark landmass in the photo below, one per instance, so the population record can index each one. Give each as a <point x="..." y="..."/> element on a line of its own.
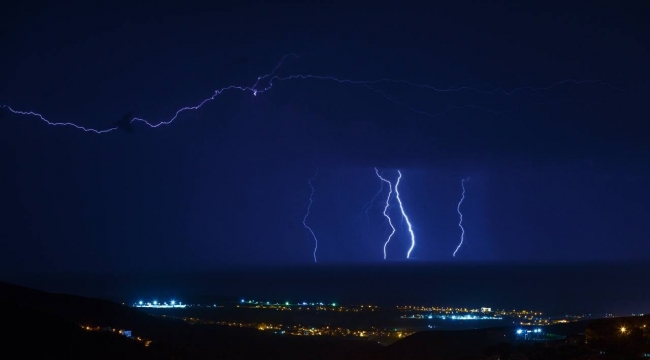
<point x="443" y="344"/>
<point x="55" y="320"/>
<point x="32" y="334"/>
<point x="67" y="326"/>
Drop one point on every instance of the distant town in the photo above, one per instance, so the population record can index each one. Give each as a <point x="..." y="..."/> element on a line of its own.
<point x="173" y="329"/>
<point x="404" y="319"/>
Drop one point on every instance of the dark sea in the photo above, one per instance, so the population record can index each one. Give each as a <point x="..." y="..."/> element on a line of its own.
<point x="555" y="289"/>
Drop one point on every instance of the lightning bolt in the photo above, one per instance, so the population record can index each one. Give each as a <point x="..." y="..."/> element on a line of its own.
<point x="372" y="85"/>
<point x="304" y="219"/>
<point x="369" y="204"/>
<point x="390" y="192"/>
<point x="252" y="89"/>
<point x="401" y="207"/>
<point x="269" y="78"/>
<point x="460" y="223"/>
<point x="436" y="89"/>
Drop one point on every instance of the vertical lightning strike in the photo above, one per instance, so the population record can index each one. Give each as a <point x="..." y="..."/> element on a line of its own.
<point x="369" y="204"/>
<point x="460" y="222"/>
<point x="401" y="207"/>
<point x="311" y="201"/>
<point x="390" y="192"/>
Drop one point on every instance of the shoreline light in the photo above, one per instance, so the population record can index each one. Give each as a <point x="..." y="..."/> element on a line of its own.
<point x="155" y="304"/>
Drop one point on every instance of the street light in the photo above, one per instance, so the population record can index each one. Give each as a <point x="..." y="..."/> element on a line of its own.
<point x="623" y="329"/>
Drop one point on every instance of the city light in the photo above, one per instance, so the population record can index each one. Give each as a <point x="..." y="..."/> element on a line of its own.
<point x="156" y="304"/>
<point x="451" y="317"/>
<point x="623" y="330"/>
<point x="302" y="330"/>
<point x="519" y="331"/>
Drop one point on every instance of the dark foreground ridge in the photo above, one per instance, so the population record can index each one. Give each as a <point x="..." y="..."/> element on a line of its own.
<point x="54" y="324"/>
<point x="41" y="324"/>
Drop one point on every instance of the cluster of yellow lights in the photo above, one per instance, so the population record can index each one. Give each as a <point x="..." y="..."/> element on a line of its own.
<point x="97" y="328"/>
<point x="300" y="330"/>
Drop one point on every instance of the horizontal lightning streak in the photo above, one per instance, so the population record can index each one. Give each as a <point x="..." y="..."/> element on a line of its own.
<point x="255" y="89"/>
<point x="19" y="112"/>
<point x="436" y="89"/>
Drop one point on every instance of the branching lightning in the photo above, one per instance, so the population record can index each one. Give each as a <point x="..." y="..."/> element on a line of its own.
<point x="304" y="219"/>
<point x="257" y="88"/>
<point x="401" y="207"/>
<point x="370" y="203"/>
<point x="266" y="82"/>
<point x="460" y="222"/>
<point x="252" y="89"/>
<point x="390" y="192"/>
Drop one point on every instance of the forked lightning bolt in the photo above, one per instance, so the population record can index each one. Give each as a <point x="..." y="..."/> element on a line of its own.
<point x="401" y="207"/>
<point x="390" y="192"/>
<point x="460" y="222"/>
<point x="258" y="88"/>
<point x="304" y="219"/>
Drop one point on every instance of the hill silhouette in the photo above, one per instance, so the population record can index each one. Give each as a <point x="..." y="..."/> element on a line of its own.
<point x="31" y="333"/>
<point x="38" y="323"/>
<point x="55" y="319"/>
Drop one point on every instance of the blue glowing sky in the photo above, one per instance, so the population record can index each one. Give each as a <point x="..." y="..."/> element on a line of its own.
<point x="555" y="175"/>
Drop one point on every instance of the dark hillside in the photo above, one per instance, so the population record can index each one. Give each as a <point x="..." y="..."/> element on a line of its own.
<point x="55" y="319"/>
<point x="32" y="334"/>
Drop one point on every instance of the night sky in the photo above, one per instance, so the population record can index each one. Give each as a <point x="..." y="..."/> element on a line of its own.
<point x="556" y="175"/>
